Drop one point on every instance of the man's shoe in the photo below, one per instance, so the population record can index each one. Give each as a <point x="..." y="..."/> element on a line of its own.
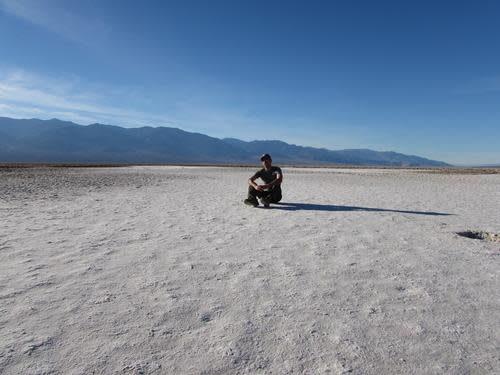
<point x="265" y="201"/>
<point x="251" y="202"/>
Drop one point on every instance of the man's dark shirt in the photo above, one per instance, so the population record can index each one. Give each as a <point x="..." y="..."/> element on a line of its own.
<point x="268" y="176"/>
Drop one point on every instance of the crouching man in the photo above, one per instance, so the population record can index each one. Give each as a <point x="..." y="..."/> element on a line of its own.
<point x="270" y="191"/>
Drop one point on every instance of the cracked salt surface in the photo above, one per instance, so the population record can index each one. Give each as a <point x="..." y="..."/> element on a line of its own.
<point x="158" y="270"/>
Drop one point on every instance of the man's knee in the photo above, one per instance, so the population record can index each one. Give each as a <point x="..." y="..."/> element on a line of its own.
<point x="275" y="197"/>
<point x="253" y="192"/>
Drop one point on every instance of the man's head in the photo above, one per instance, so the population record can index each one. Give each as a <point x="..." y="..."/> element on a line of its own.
<point x="266" y="161"/>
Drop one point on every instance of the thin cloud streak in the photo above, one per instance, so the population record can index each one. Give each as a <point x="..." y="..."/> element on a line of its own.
<point x="52" y="16"/>
<point x="23" y="94"/>
<point x="480" y="86"/>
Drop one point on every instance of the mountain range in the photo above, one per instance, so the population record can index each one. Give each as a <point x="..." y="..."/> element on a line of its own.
<point x="56" y="141"/>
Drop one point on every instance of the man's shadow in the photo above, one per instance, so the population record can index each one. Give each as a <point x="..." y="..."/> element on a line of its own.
<point x="333" y="208"/>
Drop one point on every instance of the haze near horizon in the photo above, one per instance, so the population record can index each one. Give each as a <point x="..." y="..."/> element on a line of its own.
<point x="418" y="79"/>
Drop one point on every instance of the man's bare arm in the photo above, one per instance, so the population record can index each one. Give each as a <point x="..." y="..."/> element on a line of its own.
<point x="251" y="182"/>
<point x="277" y="181"/>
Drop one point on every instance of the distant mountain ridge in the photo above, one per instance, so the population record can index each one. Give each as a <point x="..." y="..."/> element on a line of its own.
<point x="56" y="141"/>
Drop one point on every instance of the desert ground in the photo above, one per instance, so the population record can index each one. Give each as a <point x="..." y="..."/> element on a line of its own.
<point x="163" y="270"/>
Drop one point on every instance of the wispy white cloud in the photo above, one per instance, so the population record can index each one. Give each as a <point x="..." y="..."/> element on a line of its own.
<point x="483" y="85"/>
<point x="24" y="94"/>
<point x="56" y="16"/>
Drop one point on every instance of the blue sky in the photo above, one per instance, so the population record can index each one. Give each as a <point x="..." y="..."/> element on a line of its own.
<point x="414" y="77"/>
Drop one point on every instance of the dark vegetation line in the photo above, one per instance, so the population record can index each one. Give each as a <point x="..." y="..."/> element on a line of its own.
<point x="437" y="170"/>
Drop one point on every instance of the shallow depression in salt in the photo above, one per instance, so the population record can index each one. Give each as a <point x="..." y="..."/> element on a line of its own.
<point x="165" y="270"/>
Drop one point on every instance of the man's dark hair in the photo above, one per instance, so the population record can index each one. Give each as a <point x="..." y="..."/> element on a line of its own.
<point x="265" y="157"/>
